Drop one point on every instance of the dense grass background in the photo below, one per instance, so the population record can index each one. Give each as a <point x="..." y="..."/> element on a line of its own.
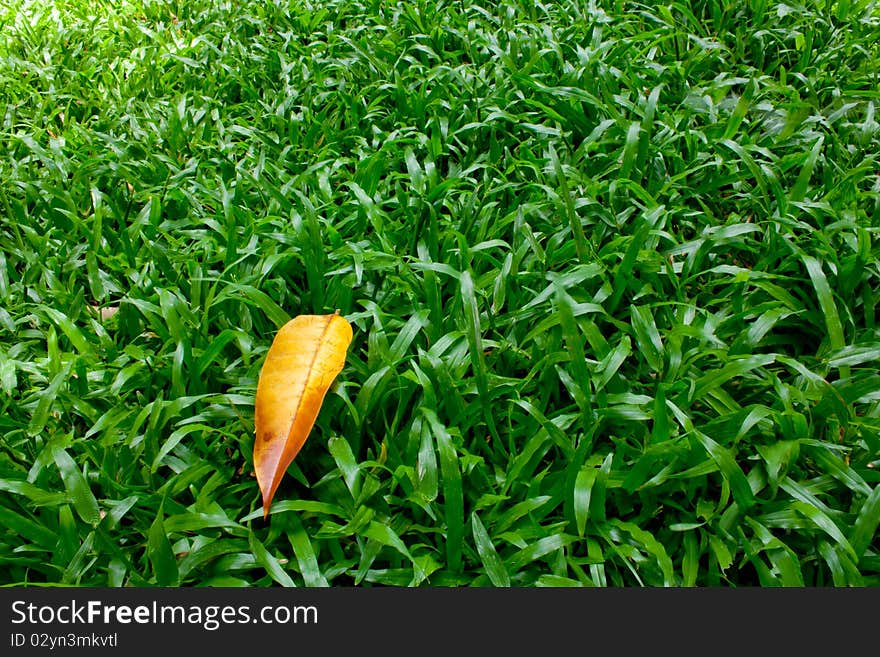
<point x="612" y="268"/>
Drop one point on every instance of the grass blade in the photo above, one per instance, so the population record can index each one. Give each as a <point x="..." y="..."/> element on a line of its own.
<point x="77" y="487"/>
<point x="269" y="562"/>
<point x="488" y="555"/>
<point x="453" y="498"/>
<point x="161" y="555"/>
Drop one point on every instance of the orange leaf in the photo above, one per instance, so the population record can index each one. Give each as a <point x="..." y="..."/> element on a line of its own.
<point x="306" y="355"/>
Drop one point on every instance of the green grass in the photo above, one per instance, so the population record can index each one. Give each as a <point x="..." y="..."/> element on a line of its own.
<point x="612" y="270"/>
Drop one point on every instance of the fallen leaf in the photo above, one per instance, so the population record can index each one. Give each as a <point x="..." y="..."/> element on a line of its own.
<point x="305" y="357"/>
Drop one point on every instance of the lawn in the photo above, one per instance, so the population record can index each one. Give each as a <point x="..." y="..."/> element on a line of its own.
<point x="612" y="270"/>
